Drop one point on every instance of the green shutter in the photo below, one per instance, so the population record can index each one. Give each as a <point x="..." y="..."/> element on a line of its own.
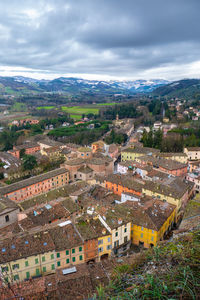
<point x="52" y="256"/>
<point x="53" y="267"/>
<point x="67" y="252"/>
<point x="58" y="254"/>
<point x="58" y="263"/>
<point x="44" y="269"/>
<point x="16" y="277"/>
<point x="80" y="249"/>
<point x="27" y="275"/>
<point x="81" y="257"/>
<point x="67" y="261"/>
<point x="37" y="272"/>
<point x="43" y="258"/>
<point x="36" y="261"/>
<point x="73" y="250"/>
<point x="26" y="263"/>
<point x="73" y="259"/>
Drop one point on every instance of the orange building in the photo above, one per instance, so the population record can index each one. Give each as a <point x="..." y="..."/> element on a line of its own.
<point x="123" y="183"/>
<point x="98" y="146"/>
<point x="29" y="148"/>
<point x="34" y="186"/>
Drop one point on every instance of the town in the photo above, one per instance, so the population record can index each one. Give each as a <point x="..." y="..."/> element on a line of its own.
<point x="65" y="207"/>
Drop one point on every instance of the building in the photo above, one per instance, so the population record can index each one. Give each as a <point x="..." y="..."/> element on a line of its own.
<point x="52" y="152"/>
<point x="8" y="212"/>
<point x="29" y="148"/>
<point x="26" y="256"/>
<point x="172" y="167"/>
<point x="69" y="249"/>
<point x="177" y="156"/>
<point x="34" y="186"/>
<point x="85" y="169"/>
<point x="152" y="220"/>
<point x="119" y="184"/>
<point x="157" y="125"/>
<point x="98" y="146"/>
<point x="193" y="153"/>
<point x="133" y="152"/>
<point x="117" y="222"/>
<point x="175" y="191"/>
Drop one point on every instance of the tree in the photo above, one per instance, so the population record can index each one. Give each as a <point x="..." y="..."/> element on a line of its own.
<point x="22" y="153"/>
<point x="29" y="162"/>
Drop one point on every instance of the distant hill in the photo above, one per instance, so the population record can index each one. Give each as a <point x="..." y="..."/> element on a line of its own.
<point x="19" y="85"/>
<point x="187" y="88"/>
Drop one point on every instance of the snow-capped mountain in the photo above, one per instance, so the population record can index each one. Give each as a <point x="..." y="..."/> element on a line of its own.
<point x="20" y="84"/>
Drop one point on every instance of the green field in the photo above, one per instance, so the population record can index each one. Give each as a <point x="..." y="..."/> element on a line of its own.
<point x="76" y="117"/>
<point x="45" y="107"/>
<point x="80" y="110"/>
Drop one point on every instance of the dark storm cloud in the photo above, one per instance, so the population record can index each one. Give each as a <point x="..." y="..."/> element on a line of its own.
<point x="103" y="37"/>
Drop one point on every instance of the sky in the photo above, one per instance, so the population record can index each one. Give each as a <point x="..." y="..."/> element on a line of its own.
<point x="100" y="39"/>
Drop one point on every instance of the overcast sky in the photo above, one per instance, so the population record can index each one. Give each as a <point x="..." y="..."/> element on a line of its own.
<point x="100" y="39"/>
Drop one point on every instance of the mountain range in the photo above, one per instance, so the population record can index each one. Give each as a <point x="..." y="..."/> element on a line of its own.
<point x="19" y="85"/>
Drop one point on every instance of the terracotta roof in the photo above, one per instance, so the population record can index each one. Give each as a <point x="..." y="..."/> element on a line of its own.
<point x="26" y="146"/>
<point x="65" y="237"/>
<point x="85" y="169"/>
<point x="125" y="181"/>
<point x="150" y="213"/>
<point x="33" y="180"/>
<point x="142" y="150"/>
<point x="167" y="164"/>
<point x="175" y="187"/>
<point x="26" y="245"/>
<point x="6" y="203"/>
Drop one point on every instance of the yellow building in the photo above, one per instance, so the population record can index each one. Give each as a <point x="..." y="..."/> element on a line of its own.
<point x="117" y="222"/>
<point x="23" y="257"/>
<point x="69" y="249"/>
<point x="135" y="151"/>
<point x="151" y="221"/>
<point x="176" y="192"/>
<point x="180" y="157"/>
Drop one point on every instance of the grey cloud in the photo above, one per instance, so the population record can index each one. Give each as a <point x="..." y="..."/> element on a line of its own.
<point x="102" y="37"/>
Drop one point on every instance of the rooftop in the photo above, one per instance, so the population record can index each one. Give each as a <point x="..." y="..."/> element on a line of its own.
<point x="167" y="164"/>
<point x="33" y="180"/>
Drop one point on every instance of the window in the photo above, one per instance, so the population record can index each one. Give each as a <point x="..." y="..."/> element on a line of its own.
<point x="43" y="258"/>
<point x="58" y="255"/>
<point x="125" y="239"/>
<point x="16" y="266"/>
<point x="7" y="218"/>
<point x="142" y="228"/>
<point x="73" y="259"/>
<point x="26" y="263"/>
<point x="109" y="239"/>
<point x="16" y="277"/>
<point x="153" y="231"/>
<point x="81" y="257"/>
<point x="52" y="256"/>
<point x="125" y="229"/>
<point x="80" y="249"/>
<point x="44" y="269"/>
<point x="100" y="249"/>
<point x="53" y="267"/>
<point x="67" y="252"/>
<point x="116" y="233"/>
<point x="4" y="269"/>
<point x="58" y="263"/>
<point x="141" y="235"/>
<point x="116" y="243"/>
<point x="73" y="250"/>
<point x="100" y="242"/>
<point x="37" y="272"/>
<point x="27" y="275"/>
<point x="36" y="261"/>
<point x="152" y="238"/>
<point x="108" y="247"/>
<point x="67" y="261"/>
